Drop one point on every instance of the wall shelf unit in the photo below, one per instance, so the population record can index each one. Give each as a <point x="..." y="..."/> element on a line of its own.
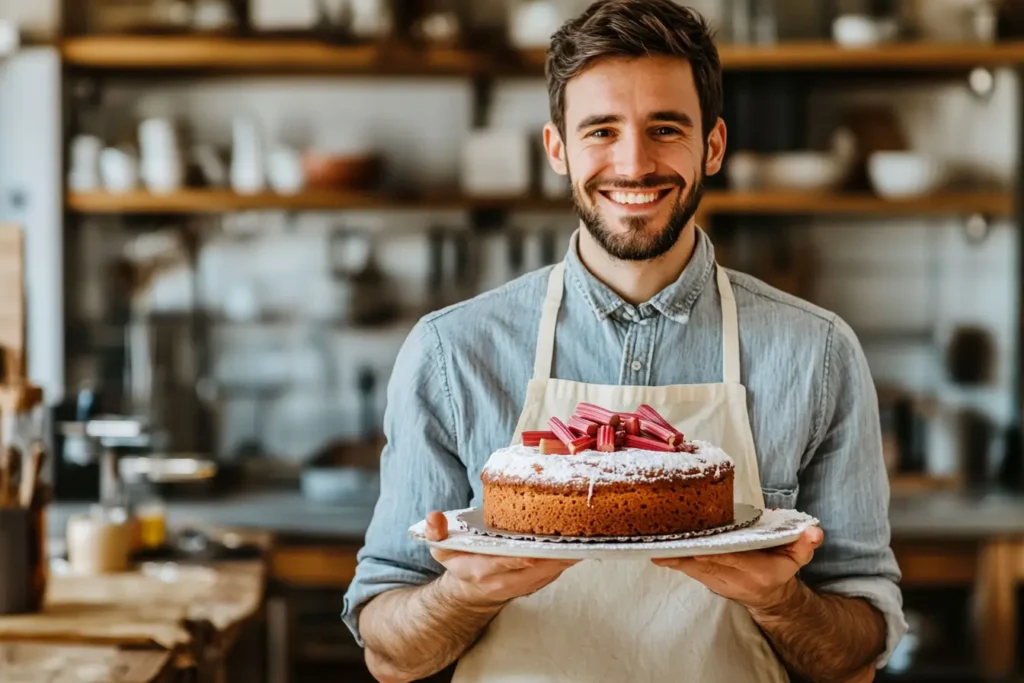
<point x="192" y="53"/>
<point x="715" y="202"/>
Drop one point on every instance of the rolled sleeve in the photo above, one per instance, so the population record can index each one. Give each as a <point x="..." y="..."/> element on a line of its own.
<point x="844" y="483"/>
<point x="420" y="472"/>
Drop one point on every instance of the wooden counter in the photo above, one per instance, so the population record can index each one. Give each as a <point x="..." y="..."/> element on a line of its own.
<point x="51" y="663"/>
<point x="192" y="614"/>
<point x="955" y="539"/>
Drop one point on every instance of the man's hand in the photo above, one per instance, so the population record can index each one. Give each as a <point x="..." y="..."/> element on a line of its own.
<point x="759" y="580"/>
<point x="412" y="633"/>
<point x="486" y="581"/>
<point x="827" y="638"/>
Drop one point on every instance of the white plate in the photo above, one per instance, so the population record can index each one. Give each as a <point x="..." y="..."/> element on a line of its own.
<point x="774" y="528"/>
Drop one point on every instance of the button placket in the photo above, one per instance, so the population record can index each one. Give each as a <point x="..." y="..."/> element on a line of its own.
<point x="640" y="353"/>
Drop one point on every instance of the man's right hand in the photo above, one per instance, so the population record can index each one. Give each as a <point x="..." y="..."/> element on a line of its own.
<point x="488" y="581"/>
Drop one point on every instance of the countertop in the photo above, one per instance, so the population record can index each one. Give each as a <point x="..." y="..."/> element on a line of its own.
<point x="925" y="515"/>
<point x="280" y="512"/>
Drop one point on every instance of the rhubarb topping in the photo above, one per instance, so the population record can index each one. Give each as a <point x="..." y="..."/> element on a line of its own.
<point x="650" y="414"/>
<point x="533" y="438"/>
<point x="584" y="443"/>
<point x="561" y="430"/>
<point x="643" y="443"/>
<point x="657" y="431"/>
<point x="631" y="424"/>
<point x="553" y="447"/>
<point x="583" y="426"/>
<point x="592" y="427"/>
<point x="589" y="411"/>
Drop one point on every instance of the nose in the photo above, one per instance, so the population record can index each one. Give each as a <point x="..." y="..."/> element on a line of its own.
<point x="633" y="158"/>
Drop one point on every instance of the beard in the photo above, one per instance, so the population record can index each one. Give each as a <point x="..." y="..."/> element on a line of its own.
<point x="637" y="243"/>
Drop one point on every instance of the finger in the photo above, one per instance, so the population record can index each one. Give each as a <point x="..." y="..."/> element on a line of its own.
<point x="437" y="526"/>
<point x="802" y="550"/>
<point x="688" y="565"/>
<point x="445" y="556"/>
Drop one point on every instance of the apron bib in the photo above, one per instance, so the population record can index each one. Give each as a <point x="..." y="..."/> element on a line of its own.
<point x="620" y="621"/>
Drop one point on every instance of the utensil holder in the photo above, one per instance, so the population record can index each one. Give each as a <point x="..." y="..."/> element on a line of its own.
<point x="23" y="569"/>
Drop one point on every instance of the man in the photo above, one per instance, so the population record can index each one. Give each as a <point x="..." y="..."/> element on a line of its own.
<point x="641" y="309"/>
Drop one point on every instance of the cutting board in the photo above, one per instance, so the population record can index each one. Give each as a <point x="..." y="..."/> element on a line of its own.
<point x="12" y="303"/>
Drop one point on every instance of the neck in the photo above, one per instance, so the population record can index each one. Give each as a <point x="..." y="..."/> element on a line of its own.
<point x="637" y="281"/>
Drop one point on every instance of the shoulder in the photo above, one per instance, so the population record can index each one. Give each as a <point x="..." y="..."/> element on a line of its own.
<point x="500" y="308"/>
<point x="806" y="328"/>
<point x="769" y="311"/>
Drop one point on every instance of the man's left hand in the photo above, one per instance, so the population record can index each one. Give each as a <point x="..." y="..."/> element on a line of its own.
<point x="759" y="579"/>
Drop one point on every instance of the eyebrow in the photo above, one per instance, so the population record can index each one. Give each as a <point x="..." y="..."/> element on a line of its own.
<point x="673" y="117"/>
<point x="598" y="120"/>
<point x="604" y="119"/>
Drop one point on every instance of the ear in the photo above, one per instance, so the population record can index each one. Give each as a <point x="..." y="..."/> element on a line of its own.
<point x="716" y="147"/>
<point x="555" y="149"/>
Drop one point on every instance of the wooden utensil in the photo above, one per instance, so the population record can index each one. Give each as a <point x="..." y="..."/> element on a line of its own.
<point x="5" y="477"/>
<point x="31" y="468"/>
<point x="12" y="304"/>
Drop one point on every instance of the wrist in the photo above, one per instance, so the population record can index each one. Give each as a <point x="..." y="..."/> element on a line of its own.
<point x="457" y="593"/>
<point x="785" y="600"/>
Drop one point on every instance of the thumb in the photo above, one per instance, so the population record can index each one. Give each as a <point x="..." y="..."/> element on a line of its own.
<point x="802" y="550"/>
<point x="437" y="526"/>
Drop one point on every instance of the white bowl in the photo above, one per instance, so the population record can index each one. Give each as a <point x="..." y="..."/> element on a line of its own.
<point x="898" y="175"/>
<point x="859" y="30"/>
<point x="803" y="172"/>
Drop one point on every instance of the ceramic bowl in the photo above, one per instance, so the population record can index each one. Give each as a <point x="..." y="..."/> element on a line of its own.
<point x="803" y="172"/>
<point x="897" y="175"/>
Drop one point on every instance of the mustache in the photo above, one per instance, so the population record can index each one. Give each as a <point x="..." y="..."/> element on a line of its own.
<point x="646" y="182"/>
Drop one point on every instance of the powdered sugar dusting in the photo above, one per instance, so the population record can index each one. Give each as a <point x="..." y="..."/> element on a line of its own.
<point x="627" y="465"/>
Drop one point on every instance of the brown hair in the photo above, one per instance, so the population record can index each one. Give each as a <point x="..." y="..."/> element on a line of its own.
<point x="635" y="28"/>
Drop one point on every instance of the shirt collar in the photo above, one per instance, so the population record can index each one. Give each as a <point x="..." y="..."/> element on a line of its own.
<point x="675" y="301"/>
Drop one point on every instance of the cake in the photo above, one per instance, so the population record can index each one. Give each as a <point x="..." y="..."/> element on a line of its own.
<point x="618" y="484"/>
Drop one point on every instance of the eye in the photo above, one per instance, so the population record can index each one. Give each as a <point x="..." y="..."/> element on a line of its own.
<point x="663" y="131"/>
<point x="600" y="133"/>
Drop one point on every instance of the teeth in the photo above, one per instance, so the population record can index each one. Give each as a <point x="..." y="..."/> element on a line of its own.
<point x="633" y="197"/>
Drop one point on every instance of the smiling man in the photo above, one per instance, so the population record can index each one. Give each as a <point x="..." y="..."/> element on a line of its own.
<point x="638" y="311"/>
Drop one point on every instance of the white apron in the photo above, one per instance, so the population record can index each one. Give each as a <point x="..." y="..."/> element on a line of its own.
<point x="620" y="621"/>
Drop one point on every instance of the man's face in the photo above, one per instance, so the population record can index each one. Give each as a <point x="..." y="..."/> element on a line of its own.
<point x="634" y="152"/>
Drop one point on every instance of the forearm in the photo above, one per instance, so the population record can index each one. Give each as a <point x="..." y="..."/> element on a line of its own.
<point x="823" y="638"/>
<point x="412" y="633"/>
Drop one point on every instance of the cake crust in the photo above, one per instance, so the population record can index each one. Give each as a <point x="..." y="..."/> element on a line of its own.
<point x="629" y="493"/>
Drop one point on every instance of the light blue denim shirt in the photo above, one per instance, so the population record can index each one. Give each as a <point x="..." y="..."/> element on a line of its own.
<point x="460" y="380"/>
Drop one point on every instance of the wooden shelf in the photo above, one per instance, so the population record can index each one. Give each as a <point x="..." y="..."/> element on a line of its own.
<point x="262" y="55"/>
<point x="794" y="203"/>
<point x="191" y="53"/>
<point x="798" y="203"/>
<point x="818" y="56"/>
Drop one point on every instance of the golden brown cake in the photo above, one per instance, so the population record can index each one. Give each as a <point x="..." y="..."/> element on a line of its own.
<point x="629" y="492"/>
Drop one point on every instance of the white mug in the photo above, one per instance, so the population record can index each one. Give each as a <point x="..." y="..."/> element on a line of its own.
<point x="119" y="169"/>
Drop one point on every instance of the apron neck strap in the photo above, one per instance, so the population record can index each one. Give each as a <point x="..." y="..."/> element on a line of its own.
<point x="553" y="302"/>
<point x="548" y="321"/>
<point x="730" y="329"/>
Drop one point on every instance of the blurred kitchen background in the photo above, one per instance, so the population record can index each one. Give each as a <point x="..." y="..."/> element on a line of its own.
<point x="235" y="210"/>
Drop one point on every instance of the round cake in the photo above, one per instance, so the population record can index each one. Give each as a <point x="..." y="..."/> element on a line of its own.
<point x="627" y="492"/>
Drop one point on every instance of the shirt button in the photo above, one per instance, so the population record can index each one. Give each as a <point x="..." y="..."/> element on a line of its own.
<point x="637" y="366"/>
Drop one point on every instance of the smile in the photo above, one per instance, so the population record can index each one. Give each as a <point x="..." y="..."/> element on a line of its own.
<point x="636" y="199"/>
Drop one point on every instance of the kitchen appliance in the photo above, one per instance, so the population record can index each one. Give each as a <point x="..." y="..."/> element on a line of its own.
<point x="104" y="453"/>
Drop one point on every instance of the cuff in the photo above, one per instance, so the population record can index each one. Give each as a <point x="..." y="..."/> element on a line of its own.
<point x="371" y="580"/>
<point x="884" y="595"/>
